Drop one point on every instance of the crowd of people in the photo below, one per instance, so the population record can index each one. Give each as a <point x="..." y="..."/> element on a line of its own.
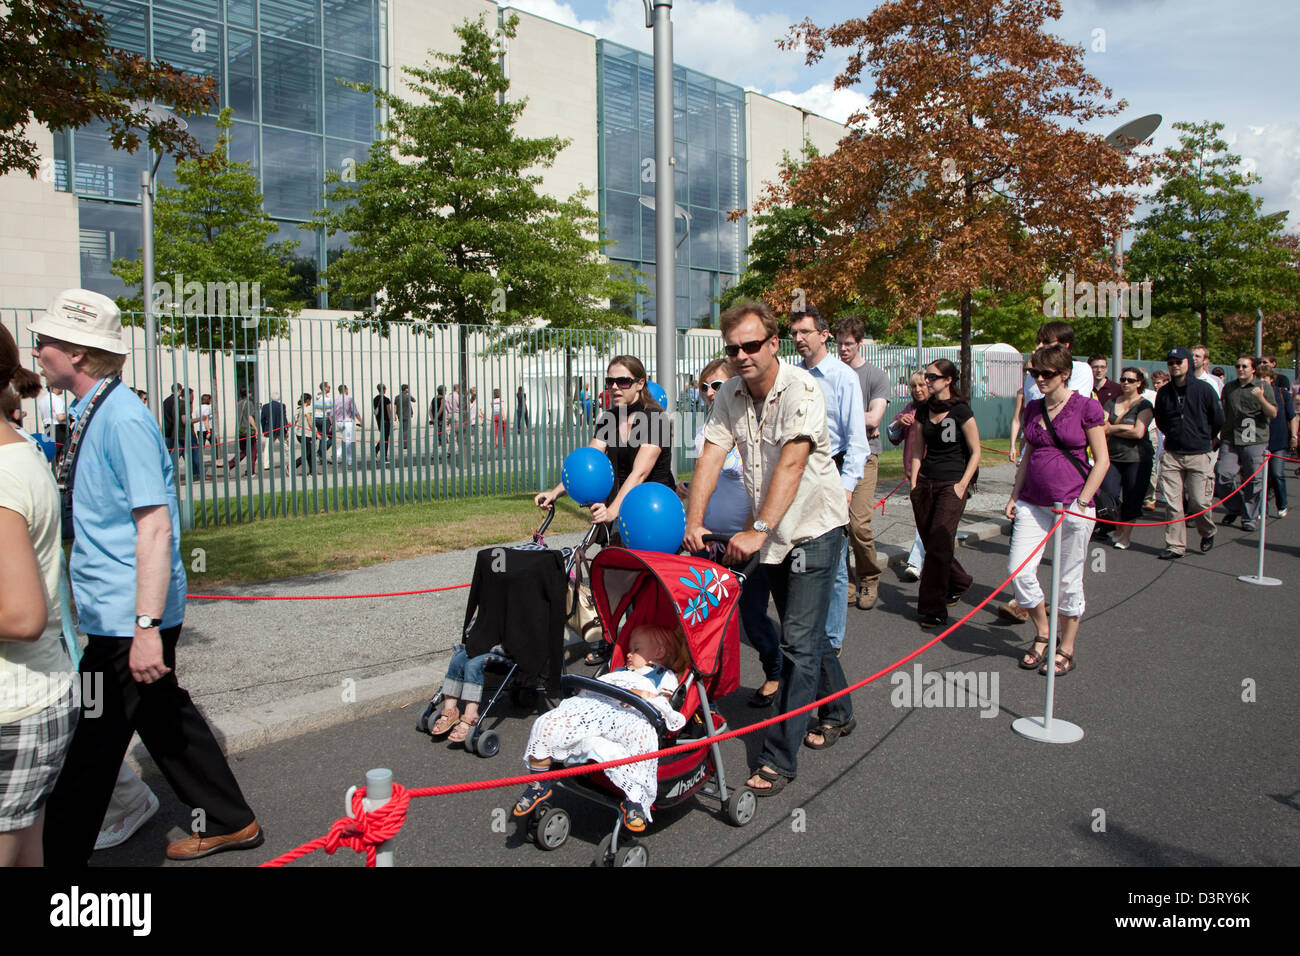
<point x="786" y="467"/>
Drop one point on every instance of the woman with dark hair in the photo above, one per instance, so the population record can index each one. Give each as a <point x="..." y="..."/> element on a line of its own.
<point x="636" y="437"/>
<point x="944" y="464"/>
<point x="1060" y="428"/>
<point x="1128" y="418"/>
<point x="38" y="706"/>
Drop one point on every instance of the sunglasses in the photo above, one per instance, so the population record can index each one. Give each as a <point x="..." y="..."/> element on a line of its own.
<point x="623" y="381"/>
<point x="712" y="386"/>
<point x="1130" y="381"/>
<point x="933" y="376"/>
<point x="1173" y="362"/>
<point x="42" y="343"/>
<point x="749" y="348"/>
<point x="1043" y="373"/>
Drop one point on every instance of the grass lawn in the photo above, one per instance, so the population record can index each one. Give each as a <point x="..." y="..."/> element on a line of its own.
<point x="338" y="541"/>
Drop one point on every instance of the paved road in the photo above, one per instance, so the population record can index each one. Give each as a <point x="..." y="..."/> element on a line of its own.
<point x="1176" y="768"/>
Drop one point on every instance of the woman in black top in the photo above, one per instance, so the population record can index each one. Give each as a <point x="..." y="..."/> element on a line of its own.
<point x="1127" y="419"/>
<point x="634" y="433"/>
<point x="945" y="462"/>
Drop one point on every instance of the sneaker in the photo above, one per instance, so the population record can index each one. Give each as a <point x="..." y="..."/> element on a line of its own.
<point x="1227" y="520"/>
<point x="932" y="620"/>
<point x="1248" y="526"/>
<point x="867" y="596"/>
<point x="1168" y="554"/>
<point x="633" y="816"/>
<point x="1281" y="512"/>
<point x="912" y="573"/>
<point x="121" y="831"/>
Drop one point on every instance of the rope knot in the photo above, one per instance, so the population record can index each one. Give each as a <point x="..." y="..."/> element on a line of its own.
<point x="364" y="831"/>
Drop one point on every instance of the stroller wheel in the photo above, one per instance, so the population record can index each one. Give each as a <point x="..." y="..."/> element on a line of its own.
<point x="553" y="828"/>
<point x="488" y="744"/>
<point x="632" y="854"/>
<point x="741" y="806"/>
<point x="603" y="856"/>
<point x="422" y="725"/>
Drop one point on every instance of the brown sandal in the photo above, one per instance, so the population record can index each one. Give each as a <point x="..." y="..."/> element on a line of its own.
<point x="1061" y="669"/>
<point x="458" y="735"/>
<point x="1035" y="661"/>
<point x="445" y="722"/>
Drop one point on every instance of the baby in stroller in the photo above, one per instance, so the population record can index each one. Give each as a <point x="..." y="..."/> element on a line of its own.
<point x="463" y="684"/>
<point x="595" y="728"/>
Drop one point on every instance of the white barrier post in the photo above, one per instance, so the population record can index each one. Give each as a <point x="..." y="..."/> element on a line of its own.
<point x="379" y="790"/>
<point x="1045" y="729"/>
<point x="1258" y="576"/>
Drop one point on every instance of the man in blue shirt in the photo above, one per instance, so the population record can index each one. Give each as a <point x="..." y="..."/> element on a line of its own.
<point x="848" y="430"/>
<point x="129" y="585"/>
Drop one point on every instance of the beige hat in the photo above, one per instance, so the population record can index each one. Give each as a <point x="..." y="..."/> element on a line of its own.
<point x="82" y="317"/>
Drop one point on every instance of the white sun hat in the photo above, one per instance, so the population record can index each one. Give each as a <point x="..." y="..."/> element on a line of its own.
<point x="82" y="317"/>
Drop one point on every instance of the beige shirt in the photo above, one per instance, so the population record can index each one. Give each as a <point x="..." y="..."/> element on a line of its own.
<point x="793" y="409"/>
<point x="34" y="675"/>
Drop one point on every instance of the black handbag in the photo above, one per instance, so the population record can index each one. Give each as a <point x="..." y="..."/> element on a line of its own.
<point x="1107" y="505"/>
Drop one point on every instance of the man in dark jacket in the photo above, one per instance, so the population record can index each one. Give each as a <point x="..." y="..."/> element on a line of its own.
<point x="1189" y="415"/>
<point x="275" y="426"/>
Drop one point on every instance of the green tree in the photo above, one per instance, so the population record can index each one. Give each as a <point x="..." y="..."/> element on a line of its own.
<point x="211" y="231"/>
<point x="59" y="69"/>
<point x="446" y="220"/>
<point x="1205" y="246"/>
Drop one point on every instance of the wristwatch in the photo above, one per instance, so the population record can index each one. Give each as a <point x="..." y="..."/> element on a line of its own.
<point x="1082" y="504"/>
<point x="146" y="622"/>
<point x="761" y="525"/>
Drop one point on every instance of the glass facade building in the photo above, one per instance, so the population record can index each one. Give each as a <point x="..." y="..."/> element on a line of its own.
<point x="277" y="64"/>
<point x="709" y="148"/>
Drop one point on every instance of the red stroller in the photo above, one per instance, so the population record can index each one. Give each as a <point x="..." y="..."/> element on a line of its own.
<point x="632" y="588"/>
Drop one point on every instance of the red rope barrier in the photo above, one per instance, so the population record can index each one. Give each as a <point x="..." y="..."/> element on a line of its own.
<point x="1269" y="454"/>
<point x="316" y="597"/>
<point x="500" y="782"/>
<point x="881" y="503"/>
<point x="1161" y="524"/>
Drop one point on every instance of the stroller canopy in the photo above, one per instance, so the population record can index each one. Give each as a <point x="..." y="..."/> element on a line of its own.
<point x="646" y="587"/>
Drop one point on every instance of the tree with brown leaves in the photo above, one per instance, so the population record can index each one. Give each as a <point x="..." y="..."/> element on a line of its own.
<point x="964" y="173"/>
<point x="59" y="69"/>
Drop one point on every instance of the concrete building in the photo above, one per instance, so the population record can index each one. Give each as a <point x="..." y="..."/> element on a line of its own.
<point x="277" y="63"/>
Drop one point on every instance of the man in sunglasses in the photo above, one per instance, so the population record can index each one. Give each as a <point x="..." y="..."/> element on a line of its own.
<point x="775" y="416"/>
<point x="1189" y="415"/>
<point x="1248" y="409"/>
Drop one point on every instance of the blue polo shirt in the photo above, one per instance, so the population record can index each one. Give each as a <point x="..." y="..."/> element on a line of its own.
<point x="122" y="465"/>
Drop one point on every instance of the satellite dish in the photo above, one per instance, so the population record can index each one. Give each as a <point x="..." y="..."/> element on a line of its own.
<point x="1133" y="132"/>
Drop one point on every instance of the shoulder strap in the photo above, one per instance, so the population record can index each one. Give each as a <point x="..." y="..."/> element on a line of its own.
<point x="1059" y="444"/>
<point x="68" y="469"/>
<point x="65" y="610"/>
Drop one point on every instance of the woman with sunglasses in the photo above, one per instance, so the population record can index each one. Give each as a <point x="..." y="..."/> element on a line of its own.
<point x="944" y="464"/>
<point x="1128" y="419"/>
<point x="1060" y="428"/>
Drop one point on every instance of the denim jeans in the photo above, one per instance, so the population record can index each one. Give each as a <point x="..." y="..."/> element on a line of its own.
<point x="756" y="623"/>
<point x="1277" y="480"/>
<point x="800" y="584"/>
<point x="917" y="555"/>
<point x="837" y="615"/>
<point x="464" y="679"/>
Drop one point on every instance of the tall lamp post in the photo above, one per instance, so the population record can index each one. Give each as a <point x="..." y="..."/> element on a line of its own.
<point x="158" y="115"/>
<point x="658" y="17"/>
<point x="1124" y="139"/>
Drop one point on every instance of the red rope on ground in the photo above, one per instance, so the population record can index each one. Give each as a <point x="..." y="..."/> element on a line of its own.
<point x="881" y="503"/>
<point x="578" y="771"/>
<point x="1161" y="524"/>
<point x="997" y="451"/>
<point x="315" y="597"/>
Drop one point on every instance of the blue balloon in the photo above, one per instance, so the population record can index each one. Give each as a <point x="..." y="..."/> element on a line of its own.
<point x="587" y="475"/>
<point x="652" y="518"/>
<point x="657" y="393"/>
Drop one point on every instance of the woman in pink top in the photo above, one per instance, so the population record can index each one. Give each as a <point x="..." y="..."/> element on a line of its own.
<point x="1047" y="474"/>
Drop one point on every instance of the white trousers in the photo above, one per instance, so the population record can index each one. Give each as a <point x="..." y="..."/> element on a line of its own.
<point x="1032" y="524"/>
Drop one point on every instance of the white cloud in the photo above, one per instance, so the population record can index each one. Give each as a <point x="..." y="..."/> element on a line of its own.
<point x="825" y="100"/>
<point x="715" y="37"/>
<point x="1272" y="152"/>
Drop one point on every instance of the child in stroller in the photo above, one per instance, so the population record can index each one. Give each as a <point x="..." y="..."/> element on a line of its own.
<point x="463" y="684"/>
<point x="597" y="728"/>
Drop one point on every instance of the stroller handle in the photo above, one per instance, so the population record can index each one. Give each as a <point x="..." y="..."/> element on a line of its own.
<point x="546" y="523"/>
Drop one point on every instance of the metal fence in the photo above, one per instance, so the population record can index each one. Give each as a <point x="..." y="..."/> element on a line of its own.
<point x="524" y="398"/>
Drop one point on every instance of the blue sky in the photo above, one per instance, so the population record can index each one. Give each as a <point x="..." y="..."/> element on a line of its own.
<point x="1194" y="60"/>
